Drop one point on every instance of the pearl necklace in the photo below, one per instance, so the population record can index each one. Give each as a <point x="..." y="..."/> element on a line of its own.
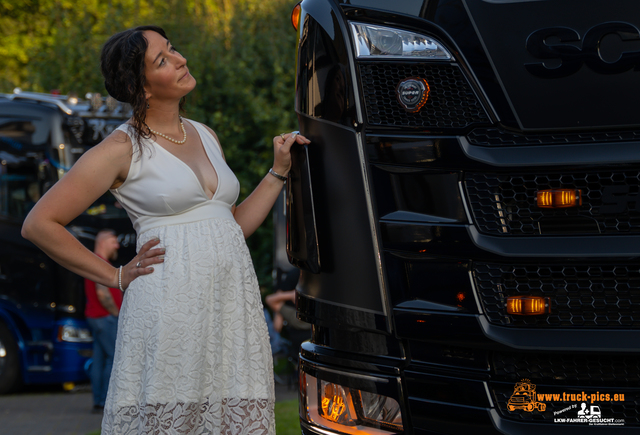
<point x="170" y="139"/>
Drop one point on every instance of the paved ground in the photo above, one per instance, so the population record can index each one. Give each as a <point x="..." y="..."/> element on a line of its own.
<point x="51" y="411"/>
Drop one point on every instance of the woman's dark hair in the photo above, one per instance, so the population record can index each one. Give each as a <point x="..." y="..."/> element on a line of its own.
<point x="122" y="65"/>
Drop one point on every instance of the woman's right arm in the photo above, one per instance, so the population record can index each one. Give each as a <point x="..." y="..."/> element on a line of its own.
<point x="104" y="166"/>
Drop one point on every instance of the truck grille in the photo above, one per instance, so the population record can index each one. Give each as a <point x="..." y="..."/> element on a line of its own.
<point x="505" y="204"/>
<point x="451" y="104"/>
<point x="498" y="137"/>
<point x="592" y="296"/>
<point x="564" y="369"/>
<point x="628" y="410"/>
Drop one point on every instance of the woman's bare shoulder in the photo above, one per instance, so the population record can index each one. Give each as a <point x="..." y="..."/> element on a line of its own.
<point x="215" y="136"/>
<point x="118" y="142"/>
<point x="111" y="156"/>
<point x="210" y="130"/>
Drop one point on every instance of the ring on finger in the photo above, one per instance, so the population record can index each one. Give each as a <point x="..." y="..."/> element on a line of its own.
<point x="139" y="263"/>
<point x="282" y="136"/>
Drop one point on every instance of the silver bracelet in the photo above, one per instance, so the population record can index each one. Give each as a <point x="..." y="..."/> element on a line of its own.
<point x="120" y="279"/>
<point x="278" y="176"/>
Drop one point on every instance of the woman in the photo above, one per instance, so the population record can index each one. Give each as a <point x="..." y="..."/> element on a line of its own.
<point x="192" y="353"/>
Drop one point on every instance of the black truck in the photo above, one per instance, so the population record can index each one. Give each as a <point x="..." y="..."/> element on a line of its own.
<point x="467" y="216"/>
<point x="44" y="338"/>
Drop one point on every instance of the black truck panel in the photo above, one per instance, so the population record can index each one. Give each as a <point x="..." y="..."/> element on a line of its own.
<point x="422" y="229"/>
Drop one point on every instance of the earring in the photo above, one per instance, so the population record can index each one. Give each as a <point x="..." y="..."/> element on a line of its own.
<point x="147" y="105"/>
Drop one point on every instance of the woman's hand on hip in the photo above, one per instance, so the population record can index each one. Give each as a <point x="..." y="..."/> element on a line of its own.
<point x="142" y="263"/>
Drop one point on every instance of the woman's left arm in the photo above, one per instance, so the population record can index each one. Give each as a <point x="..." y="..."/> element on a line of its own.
<point x="254" y="209"/>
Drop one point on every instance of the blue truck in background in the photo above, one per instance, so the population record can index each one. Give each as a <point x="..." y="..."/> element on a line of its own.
<point x="44" y="338"/>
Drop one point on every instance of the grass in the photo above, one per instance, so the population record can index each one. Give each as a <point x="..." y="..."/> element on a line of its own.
<point x="287" y="420"/>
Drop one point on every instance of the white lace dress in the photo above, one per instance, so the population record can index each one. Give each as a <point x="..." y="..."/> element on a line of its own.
<point x="192" y="354"/>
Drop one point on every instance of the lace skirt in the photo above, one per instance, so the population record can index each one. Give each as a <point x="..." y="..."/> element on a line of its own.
<point x="192" y="353"/>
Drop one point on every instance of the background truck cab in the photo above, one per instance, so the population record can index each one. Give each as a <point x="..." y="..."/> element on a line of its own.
<point x="467" y="214"/>
<point x="43" y="335"/>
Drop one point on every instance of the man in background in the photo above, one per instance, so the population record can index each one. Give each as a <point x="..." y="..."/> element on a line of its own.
<point x="101" y="311"/>
<point x="282" y="303"/>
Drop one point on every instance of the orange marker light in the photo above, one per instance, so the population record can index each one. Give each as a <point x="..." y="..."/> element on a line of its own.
<point x="295" y="16"/>
<point x="559" y="198"/>
<point x="527" y="305"/>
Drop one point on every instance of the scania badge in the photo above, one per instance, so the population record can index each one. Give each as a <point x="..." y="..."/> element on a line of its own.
<point x="413" y="93"/>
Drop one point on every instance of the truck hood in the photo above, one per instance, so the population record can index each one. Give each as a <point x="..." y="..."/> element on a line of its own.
<point x="563" y="63"/>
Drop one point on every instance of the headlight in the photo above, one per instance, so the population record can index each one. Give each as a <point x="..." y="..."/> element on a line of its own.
<point x="74" y="334"/>
<point x="348" y="410"/>
<point x="386" y="42"/>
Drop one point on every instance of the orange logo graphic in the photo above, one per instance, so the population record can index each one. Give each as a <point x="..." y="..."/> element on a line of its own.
<point x="524" y="397"/>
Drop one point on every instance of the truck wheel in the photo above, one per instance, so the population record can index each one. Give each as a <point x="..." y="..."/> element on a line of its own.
<point x="9" y="361"/>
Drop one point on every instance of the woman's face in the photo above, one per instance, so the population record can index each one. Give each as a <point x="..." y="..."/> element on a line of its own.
<point x="166" y="71"/>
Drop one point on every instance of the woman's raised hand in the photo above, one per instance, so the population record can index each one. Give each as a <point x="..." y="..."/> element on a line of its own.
<point x="282" y="150"/>
<point x="142" y="264"/>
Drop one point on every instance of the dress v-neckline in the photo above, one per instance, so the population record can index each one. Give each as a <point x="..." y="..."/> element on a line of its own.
<point x="211" y="162"/>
